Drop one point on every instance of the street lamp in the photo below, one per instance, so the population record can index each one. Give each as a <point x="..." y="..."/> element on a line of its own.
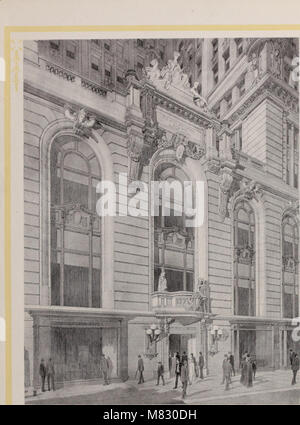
<point x="153" y="333"/>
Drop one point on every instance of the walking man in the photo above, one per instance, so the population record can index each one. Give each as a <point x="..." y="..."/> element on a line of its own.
<point x="231" y="360"/>
<point x="292" y="355"/>
<point x="227" y="371"/>
<point x="201" y="365"/>
<point x="104" y="369"/>
<point x="43" y="374"/>
<point x="160" y="373"/>
<point x="177" y="372"/>
<point x="224" y="366"/>
<point x="184" y="375"/>
<point x="140" y="369"/>
<point x="295" y="368"/>
<point x="50" y="374"/>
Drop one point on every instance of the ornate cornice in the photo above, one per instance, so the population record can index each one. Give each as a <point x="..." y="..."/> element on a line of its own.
<point x="60" y="101"/>
<point x="178" y="108"/>
<point x="267" y="86"/>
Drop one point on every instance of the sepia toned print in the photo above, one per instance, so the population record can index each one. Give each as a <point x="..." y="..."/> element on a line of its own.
<point x="130" y="307"/>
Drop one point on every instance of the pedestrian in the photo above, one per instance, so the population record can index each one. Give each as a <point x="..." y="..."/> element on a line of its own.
<point x="184" y="357"/>
<point x="292" y="355"/>
<point x="104" y="369"/>
<point x="177" y="372"/>
<point x="110" y="367"/>
<point x="249" y="372"/>
<point x="295" y="368"/>
<point x="231" y="359"/>
<point x="191" y="367"/>
<point x="254" y="367"/>
<point x="160" y="373"/>
<point x="184" y="375"/>
<point x="140" y="369"/>
<point x="50" y="374"/>
<point x="43" y="374"/>
<point x="227" y="371"/>
<point x="201" y="365"/>
<point x="243" y="370"/>
<point x="173" y="366"/>
<point x="224" y="366"/>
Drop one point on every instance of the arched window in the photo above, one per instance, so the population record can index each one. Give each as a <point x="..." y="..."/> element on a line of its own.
<point x="290" y="269"/>
<point x="244" y="260"/>
<point x="173" y="239"/>
<point x="75" y="226"/>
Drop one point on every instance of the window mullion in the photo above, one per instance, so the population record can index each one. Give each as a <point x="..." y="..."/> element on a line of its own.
<point x="62" y="259"/>
<point x="90" y="283"/>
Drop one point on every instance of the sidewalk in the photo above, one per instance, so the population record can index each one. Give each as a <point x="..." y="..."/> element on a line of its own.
<point x="206" y="390"/>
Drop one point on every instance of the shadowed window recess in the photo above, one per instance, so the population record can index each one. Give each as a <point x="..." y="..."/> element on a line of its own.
<point x="173" y="241"/>
<point x="244" y="260"/>
<point x="75" y="227"/>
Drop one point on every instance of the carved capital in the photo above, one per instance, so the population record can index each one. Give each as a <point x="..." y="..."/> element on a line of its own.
<point x="83" y="121"/>
<point x="228" y="185"/>
<point x="250" y="189"/>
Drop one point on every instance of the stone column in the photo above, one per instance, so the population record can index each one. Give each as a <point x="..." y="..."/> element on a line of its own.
<point x="285" y="348"/>
<point x="123" y="350"/>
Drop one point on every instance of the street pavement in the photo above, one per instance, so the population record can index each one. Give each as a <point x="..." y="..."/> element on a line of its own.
<point x="268" y="388"/>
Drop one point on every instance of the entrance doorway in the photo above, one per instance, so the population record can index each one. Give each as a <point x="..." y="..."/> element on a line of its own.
<point x="182" y="343"/>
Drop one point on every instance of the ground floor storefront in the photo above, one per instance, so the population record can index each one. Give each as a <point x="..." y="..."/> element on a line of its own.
<point x="75" y="339"/>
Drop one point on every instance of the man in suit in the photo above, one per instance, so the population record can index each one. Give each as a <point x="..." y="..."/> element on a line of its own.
<point x="43" y="374"/>
<point x="160" y="373"/>
<point x="295" y="368"/>
<point x="104" y="369"/>
<point x="140" y="369"/>
<point x="184" y="375"/>
<point x="225" y="360"/>
<point x="201" y="365"/>
<point x="50" y="374"/>
<point x="292" y="355"/>
<point x="227" y="370"/>
<point x="177" y="371"/>
<point x="184" y="357"/>
<point x="231" y="360"/>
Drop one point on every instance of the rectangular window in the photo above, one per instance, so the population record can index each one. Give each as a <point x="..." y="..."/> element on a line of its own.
<point x="54" y="45"/>
<point x="228" y="99"/>
<point x="120" y="79"/>
<point x="226" y="57"/>
<point x="70" y="54"/>
<point x="215" y="47"/>
<point x="107" y="73"/>
<point x="140" y="43"/>
<point x="216" y="73"/>
<point x="94" y="66"/>
<point x="239" y="46"/>
<point x="241" y="86"/>
<point x="106" y="46"/>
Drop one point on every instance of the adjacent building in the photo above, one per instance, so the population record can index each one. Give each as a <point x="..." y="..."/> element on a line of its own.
<point x="220" y="111"/>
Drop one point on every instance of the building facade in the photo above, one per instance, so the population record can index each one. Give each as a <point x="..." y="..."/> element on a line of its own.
<point x="220" y="111"/>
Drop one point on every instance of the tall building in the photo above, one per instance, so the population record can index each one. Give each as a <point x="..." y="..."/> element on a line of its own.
<point x="219" y="111"/>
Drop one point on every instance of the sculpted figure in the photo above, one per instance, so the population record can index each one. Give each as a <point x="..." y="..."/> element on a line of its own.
<point x="162" y="281"/>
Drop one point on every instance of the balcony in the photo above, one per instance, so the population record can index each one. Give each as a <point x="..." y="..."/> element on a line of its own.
<point x="180" y="302"/>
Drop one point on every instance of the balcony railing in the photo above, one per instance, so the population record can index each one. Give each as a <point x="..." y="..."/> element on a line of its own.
<point x="181" y="301"/>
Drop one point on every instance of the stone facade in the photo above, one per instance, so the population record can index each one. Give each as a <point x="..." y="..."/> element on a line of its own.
<point x="237" y="131"/>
